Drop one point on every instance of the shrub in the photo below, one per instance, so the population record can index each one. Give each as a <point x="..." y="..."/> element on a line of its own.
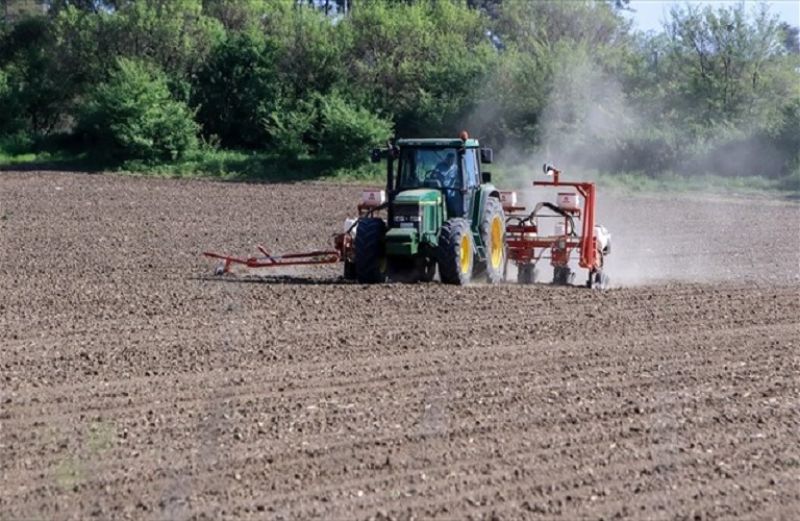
<point x="347" y="132"/>
<point x="133" y="115"/>
<point x="290" y="130"/>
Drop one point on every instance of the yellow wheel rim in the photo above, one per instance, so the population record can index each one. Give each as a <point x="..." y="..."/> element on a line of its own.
<point x="497" y="242"/>
<point x="466" y="253"/>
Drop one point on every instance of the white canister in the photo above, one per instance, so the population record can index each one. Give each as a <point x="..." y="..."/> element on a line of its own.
<point x="373" y="197"/>
<point x="568" y="201"/>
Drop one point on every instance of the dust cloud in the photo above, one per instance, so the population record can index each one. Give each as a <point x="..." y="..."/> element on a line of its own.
<point x="656" y="238"/>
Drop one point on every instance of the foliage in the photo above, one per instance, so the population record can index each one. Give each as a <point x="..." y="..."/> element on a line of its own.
<point x="290" y="130"/>
<point x="236" y="89"/>
<point x="422" y="63"/>
<point x="133" y="115"/>
<point x="715" y="92"/>
<point x="36" y="94"/>
<point x="348" y="132"/>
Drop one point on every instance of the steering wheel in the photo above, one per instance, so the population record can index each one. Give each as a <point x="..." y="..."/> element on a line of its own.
<point x="433" y="179"/>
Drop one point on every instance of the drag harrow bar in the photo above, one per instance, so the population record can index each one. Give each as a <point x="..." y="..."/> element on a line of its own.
<point x="274" y="261"/>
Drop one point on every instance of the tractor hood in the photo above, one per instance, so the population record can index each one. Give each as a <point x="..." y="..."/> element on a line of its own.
<point x="420" y="196"/>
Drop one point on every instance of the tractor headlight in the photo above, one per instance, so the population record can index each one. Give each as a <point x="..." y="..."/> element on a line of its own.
<point x="407" y="214"/>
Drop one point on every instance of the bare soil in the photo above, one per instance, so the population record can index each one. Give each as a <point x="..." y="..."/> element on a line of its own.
<point x="133" y="385"/>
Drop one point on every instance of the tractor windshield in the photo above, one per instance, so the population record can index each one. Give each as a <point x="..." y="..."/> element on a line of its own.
<point x="429" y="167"/>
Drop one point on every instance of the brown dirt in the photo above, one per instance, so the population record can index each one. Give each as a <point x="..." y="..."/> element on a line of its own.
<point x="134" y="386"/>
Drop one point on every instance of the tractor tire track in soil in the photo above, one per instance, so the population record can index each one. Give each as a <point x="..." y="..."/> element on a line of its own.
<point x="133" y="385"/>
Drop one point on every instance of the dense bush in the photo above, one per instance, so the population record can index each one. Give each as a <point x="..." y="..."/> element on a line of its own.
<point x="132" y="115"/>
<point x="346" y="132"/>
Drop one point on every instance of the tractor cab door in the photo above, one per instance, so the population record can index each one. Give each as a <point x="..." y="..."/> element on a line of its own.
<point x="472" y="180"/>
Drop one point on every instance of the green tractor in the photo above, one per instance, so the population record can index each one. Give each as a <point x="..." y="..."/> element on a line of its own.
<point x="441" y="210"/>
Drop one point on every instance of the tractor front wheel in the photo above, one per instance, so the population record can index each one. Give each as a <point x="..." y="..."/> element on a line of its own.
<point x="370" y="255"/>
<point x="455" y="252"/>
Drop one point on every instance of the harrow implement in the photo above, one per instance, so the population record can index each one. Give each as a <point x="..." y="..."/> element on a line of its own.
<point x="372" y="201"/>
<point x="274" y="261"/>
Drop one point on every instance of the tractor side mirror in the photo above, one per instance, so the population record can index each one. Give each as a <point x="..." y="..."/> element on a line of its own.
<point x="486" y="177"/>
<point x="376" y="155"/>
<point x="487" y="155"/>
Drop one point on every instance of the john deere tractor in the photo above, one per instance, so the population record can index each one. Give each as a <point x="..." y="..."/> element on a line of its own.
<point x="441" y="210"/>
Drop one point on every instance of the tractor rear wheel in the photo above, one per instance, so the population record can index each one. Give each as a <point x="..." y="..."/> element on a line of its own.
<point x="493" y="231"/>
<point x="455" y="252"/>
<point x="370" y="254"/>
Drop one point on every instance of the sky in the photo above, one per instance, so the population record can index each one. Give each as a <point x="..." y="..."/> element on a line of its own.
<point x="649" y="14"/>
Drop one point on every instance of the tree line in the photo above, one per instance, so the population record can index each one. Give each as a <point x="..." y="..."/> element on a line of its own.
<point x="717" y="90"/>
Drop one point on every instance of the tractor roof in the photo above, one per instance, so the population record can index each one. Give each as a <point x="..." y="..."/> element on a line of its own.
<point x="437" y="142"/>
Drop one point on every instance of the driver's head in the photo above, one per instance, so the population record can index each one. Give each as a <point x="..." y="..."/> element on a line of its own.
<point x="450" y="159"/>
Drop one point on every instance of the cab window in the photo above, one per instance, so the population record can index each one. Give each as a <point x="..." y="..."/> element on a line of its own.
<point x="471" y="167"/>
<point x="429" y="167"/>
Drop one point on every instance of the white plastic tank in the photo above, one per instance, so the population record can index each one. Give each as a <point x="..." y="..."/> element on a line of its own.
<point x="568" y="201"/>
<point x="373" y="197"/>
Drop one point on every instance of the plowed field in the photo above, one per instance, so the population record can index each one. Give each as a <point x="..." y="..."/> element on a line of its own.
<point x="134" y="385"/>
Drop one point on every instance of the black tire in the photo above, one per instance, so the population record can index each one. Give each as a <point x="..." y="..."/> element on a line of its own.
<point x="493" y="216"/>
<point x="562" y="276"/>
<point x="349" y="270"/>
<point x="370" y="253"/>
<point x="527" y="274"/>
<point x="454" y="267"/>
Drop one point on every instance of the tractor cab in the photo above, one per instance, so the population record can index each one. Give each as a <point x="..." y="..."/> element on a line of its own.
<point x="451" y="166"/>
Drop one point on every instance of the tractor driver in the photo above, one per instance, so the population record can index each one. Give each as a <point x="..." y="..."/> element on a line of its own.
<point x="446" y="171"/>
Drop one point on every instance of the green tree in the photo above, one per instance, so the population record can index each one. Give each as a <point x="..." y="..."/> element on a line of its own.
<point x="423" y="64"/>
<point x="724" y="63"/>
<point x="173" y="34"/>
<point x="236" y="88"/>
<point x="34" y="75"/>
